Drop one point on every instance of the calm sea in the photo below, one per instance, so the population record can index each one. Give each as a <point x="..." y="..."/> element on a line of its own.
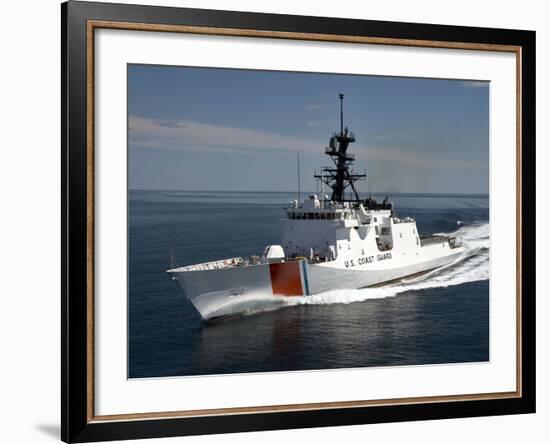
<point x="441" y="318"/>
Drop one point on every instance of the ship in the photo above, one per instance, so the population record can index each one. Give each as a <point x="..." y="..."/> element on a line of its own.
<point x="335" y="242"/>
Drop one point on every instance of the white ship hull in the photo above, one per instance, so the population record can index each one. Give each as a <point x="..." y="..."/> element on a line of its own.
<point x="227" y="291"/>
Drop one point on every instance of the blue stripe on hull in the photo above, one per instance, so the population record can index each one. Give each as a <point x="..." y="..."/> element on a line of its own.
<point x="304" y="274"/>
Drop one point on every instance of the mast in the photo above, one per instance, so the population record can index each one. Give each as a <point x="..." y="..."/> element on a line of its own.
<point x="299" y="191"/>
<point x="341" y="112"/>
<point x="340" y="177"/>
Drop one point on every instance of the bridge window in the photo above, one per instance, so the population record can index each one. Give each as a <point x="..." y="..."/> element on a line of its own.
<point x="310" y="215"/>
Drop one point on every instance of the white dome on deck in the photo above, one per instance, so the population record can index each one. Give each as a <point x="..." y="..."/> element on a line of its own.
<point x="274" y="252"/>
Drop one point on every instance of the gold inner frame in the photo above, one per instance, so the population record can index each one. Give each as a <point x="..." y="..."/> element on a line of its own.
<point x="96" y="24"/>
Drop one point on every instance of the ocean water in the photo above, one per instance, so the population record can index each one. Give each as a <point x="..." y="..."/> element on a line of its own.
<point x="440" y="318"/>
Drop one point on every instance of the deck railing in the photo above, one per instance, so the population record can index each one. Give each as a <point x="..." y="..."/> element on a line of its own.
<point x="428" y="240"/>
<point x="453" y="241"/>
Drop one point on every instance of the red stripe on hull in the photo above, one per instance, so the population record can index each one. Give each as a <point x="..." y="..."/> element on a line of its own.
<point x="286" y="279"/>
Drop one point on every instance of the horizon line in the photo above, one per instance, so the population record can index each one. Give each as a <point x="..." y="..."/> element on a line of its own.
<point x="305" y="193"/>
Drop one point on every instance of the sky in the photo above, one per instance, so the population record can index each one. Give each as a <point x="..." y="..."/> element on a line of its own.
<point x="240" y="130"/>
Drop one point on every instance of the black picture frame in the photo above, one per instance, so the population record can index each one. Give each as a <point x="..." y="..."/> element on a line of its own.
<point x="76" y="423"/>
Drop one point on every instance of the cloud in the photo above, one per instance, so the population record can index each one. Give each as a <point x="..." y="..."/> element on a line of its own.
<point x="312" y="123"/>
<point x="314" y="107"/>
<point x="414" y="159"/>
<point x="196" y="136"/>
<point x="475" y="83"/>
<point x="171" y="124"/>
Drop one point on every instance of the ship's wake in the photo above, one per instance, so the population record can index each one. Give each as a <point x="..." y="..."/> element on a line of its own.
<point x="471" y="266"/>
